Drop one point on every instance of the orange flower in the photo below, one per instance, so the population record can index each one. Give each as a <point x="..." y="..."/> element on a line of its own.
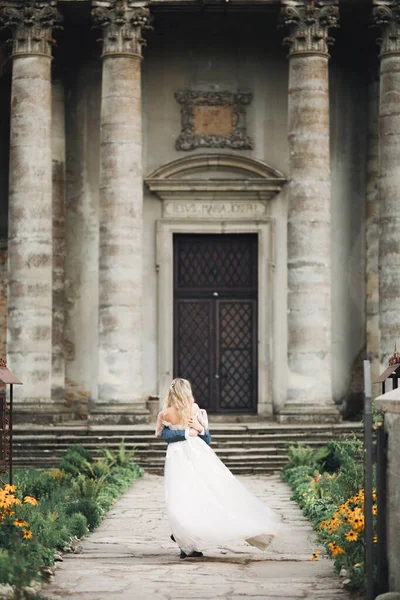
<point x="27" y="534"/>
<point x="374" y="509"/>
<point x="10" y="489"/>
<point x="352" y="536"/>
<point x="337" y="550"/>
<point x="20" y="523"/>
<point x="315" y="555"/>
<point x="31" y="500"/>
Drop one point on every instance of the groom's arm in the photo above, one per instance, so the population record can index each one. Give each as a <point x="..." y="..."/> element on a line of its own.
<point x="206" y="436"/>
<point x="174" y="435"/>
<point x="179" y="435"/>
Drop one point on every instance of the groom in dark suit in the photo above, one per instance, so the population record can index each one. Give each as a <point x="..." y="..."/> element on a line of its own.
<point x="180" y="435"/>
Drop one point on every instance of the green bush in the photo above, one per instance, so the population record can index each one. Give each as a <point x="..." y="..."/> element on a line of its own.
<point x="327" y="484"/>
<point x="88" y="508"/>
<point x="78" y="525"/>
<point x="48" y="508"/>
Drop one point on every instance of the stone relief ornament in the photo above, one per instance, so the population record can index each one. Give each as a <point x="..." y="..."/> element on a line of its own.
<point x="122" y="26"/>
<point x="308" y="23"/>
<point x="32" y="26"/>
<point x="213" y="120"/>
<point x="386" y="16"/>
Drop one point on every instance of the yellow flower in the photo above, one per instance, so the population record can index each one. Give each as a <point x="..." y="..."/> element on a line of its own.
<point x="315" y="555"/>
<point x="31" y="500"/>
<point x="374" y="509"/>
<point x="27" y="534"/>
<point x="20" y="523"/>
<point x="10" y="489"/>
<point x="337" y="550"/>
<point x="352" y="536"/>
<point x="375" y="539"/>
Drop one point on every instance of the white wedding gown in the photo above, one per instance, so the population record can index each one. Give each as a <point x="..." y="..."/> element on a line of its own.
<point x="206" y="505"/>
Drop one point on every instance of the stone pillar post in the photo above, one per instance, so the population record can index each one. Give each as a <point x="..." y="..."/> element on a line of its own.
<point x="58" y="166"/>
<point x="309" y="218"/>
<point x="121" y="203"/>
<point x="372" y="229"/>
<point x="387" y="16"/>
<point x="29" y="341"/>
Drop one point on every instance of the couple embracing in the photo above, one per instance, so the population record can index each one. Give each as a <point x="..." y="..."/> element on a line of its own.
<point x="206" y="505"/>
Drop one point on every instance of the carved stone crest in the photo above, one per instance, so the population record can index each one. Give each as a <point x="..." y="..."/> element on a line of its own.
<point x="213" y="120"/>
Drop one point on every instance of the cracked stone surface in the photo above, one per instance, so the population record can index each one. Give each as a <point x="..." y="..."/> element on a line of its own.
<point x="131" y="557"/>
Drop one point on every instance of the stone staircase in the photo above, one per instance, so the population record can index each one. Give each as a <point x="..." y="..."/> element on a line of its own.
<point x="244" y="447"/>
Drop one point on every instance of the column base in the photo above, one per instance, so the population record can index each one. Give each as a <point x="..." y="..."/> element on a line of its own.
<point x="41" y="414"/>
<point x="119" y="414"/>
<point x="292" y="412"/>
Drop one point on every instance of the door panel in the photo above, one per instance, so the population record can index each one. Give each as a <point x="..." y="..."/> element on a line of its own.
<point x="236" y="355"/>
<point x="194" y="348"/>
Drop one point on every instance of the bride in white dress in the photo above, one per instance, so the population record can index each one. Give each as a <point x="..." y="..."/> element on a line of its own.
<point x="206" y="505"/>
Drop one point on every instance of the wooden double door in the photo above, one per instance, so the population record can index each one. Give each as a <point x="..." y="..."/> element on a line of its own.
<point x="215" y="319"/>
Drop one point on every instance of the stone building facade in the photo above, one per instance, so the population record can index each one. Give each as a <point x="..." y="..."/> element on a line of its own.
<point x="202" y="188"/>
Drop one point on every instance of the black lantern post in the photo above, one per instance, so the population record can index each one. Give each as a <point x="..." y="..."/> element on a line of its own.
<point x="6" y="424"/>
<point x="392" y="372"/>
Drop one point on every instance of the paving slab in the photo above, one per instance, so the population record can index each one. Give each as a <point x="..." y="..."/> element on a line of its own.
<point x="131" y="557"/>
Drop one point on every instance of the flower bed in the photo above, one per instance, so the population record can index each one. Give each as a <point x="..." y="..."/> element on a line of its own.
<point x="46" y="511"/>
<point x="327" y="484"/>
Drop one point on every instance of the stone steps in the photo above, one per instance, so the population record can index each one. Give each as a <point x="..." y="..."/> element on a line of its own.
<point x="244" y="447"/>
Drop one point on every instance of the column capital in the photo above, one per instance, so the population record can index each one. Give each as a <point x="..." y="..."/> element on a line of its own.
<point x="122" y="23"/>
<point x="386" y="16"/>
<point x="308" y="23"/>
<point x="32" y="26"/>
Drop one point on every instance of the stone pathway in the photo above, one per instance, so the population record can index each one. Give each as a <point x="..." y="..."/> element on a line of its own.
<point x="130" y="557"/>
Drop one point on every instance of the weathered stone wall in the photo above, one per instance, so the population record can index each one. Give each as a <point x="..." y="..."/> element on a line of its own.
<point x="210" y="52"/>
<point x="82" y="232"/>
<point x="348" y="144"/>
<point x="246" y="53"/>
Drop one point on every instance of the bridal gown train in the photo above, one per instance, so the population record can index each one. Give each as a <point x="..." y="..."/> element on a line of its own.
<point x="206" y="505"/>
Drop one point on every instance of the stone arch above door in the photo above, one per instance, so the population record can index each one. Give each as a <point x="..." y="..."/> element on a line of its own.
<point x="213" y="175"/>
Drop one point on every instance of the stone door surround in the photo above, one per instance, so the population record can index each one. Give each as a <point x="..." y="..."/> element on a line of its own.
<point x="216" y="193"/>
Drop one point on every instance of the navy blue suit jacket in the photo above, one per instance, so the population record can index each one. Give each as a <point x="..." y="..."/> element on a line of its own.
<point x="178" y="435"/>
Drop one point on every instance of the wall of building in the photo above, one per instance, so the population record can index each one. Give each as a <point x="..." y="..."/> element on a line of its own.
<point x="208" y="51"/>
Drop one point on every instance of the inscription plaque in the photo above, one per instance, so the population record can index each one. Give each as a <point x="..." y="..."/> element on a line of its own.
<point x="216" y="209"/>
<point x="213" y="120"/>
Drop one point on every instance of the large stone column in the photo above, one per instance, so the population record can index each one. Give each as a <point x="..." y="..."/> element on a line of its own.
<point x="387" y="17"/>
<point x="372" y="228"/>
<point x="121" y="205"/>
<point x="58" y="168"/>
<point x="29" y="343"/>
<point x="309" y="394"/>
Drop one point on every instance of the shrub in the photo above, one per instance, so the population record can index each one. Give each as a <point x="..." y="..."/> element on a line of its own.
<point x="327" y="484"/>
<point x="88" y="508"/>
<point x="48" y="508"/>
<point x="78" y="525"/>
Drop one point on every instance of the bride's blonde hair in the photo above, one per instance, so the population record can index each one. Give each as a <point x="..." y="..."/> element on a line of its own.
<point x="180" y="395"/>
